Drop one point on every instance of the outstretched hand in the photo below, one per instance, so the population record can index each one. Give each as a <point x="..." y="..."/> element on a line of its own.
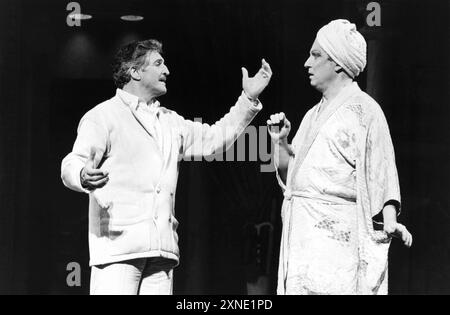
<point x="399" y="231"/>
<point x="92" y="178"/>
<point x="255" y="85"/>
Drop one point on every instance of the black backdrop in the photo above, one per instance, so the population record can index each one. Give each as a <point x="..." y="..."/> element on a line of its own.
<point x="50" y="74"/>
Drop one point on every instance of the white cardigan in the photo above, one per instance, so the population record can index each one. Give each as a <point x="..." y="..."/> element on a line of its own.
<point x="131" y="217"/>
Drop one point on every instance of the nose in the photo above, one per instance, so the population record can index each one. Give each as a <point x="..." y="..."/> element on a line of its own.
<point x="308" y="62"/>
<point x="166" y="71"/>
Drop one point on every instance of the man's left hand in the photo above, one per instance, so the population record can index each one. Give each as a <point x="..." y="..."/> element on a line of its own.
<point x="255" y="85"/>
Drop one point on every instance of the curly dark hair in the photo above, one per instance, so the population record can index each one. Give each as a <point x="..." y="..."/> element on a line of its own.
<point x="132" y="55"/>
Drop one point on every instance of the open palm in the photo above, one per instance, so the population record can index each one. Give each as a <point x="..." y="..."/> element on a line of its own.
<point x="253" y="86"/>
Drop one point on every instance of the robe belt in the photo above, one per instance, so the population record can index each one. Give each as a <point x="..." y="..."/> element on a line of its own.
<point x="287" y="213"/>
<point x="287" y="217"/>
<point x="289" y="194"/>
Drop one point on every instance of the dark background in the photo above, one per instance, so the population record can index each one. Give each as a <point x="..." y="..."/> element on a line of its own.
<point x="51" y="74"/>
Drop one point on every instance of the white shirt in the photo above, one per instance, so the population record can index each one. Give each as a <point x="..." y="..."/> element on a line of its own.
<point x="148" y="113"/>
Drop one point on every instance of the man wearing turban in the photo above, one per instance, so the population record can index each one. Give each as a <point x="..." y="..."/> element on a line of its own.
<point x="339" y="178"/>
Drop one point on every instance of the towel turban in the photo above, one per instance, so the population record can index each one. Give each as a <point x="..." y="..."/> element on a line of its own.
<point x="345" y="45"/>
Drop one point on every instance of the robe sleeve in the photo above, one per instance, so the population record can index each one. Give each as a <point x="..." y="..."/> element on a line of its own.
<point x="296" y="143"/>
<point x="381" y="171"/>
<point x="293" y="149"/>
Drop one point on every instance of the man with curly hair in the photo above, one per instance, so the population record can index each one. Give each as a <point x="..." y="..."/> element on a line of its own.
<point x="126" y="157"/>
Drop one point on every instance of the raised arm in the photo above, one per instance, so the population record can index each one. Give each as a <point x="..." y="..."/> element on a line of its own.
<point x="201" y="139"/>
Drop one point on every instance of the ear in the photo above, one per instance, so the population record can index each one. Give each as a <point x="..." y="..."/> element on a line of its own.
<point x="135" y="74"/>
<point x="338" y="68"/>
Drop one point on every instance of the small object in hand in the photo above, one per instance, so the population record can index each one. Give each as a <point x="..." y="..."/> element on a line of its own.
<point x="278" y="125"/>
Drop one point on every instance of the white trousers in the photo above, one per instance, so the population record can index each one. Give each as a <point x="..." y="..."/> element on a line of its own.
<point x="145" y="276"/>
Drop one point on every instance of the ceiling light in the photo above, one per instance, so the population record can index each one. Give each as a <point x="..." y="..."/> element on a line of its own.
<point x="80" y="16"/>
<point x="132" y="18"/>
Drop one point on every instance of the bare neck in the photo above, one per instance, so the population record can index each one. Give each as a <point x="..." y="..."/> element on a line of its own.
<point x="336" y="87"/>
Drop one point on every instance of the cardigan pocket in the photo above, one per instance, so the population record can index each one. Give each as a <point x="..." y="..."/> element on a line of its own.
<point x="126" y="214"/>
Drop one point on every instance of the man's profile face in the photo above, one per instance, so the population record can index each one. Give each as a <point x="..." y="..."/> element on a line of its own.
<point x="320" y="67"/>
<point x="154" y="74"/>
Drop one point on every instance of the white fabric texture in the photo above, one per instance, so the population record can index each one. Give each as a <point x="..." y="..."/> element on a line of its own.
<point x="341" y="176"/>
<point x="133" y="216"/>
<point x="145" y="276"/>
<point x="345" y="45"/>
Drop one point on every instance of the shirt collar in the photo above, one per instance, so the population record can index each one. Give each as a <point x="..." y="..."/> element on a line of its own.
<point x="135" y="102"/>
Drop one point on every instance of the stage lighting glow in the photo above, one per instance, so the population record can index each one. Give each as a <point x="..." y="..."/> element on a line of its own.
<point x="132" y="18"/>
<point x="80" y="16"/>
